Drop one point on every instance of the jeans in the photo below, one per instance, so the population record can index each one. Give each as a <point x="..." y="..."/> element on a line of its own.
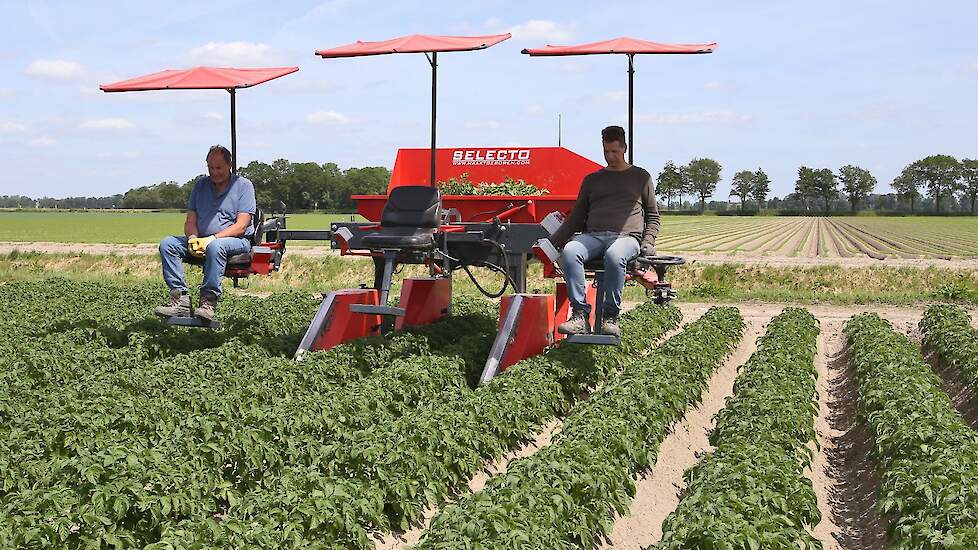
<point x="173" y="250"/>
<point x="617" y="250"/>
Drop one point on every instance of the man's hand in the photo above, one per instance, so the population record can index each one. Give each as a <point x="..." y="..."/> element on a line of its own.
<point x="198" y="245"/>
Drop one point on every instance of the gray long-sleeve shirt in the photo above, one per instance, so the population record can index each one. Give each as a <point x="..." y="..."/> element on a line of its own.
<point x="613" y="201"/>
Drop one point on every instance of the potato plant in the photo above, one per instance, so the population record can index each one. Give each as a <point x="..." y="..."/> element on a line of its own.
<point x="752" y="491"/>
<point x="567" y="494"/>
<point x="947" y="330"/>
<point x="928" y="455"/>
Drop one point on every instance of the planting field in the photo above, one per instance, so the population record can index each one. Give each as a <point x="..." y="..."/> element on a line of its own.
<point x="755" y="426"/>
<point x="743" y="238"/>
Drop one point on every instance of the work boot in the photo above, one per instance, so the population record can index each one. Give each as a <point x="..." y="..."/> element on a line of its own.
<point x="178" y="306"/>
<point x="207" y="307"/>
<point x="609" y="325"/>
<point x="577" y="324"/>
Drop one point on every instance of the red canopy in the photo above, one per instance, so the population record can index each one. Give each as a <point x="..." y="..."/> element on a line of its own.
<point x="419" y="43"/>
<point x="415" y="43"/>
<point x="629" y="47"/>
<point x="199" y="78"/>
<point x="203" y="78"/>
<point x="623" y="45"/>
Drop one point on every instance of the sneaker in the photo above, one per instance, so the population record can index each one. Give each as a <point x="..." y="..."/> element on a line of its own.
<point x="207" y="308"/>
<point x="178" y="306"/>
<point x="609" y="325"/>
<point x="577" y="324"/>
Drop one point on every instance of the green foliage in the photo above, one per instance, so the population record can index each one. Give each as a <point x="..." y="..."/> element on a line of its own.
<point x="947" y="329"/>
<point x="927" y="453"/>
<point x="566" y="495"/>
<point x="702" y="176"/>
<point x="463" y="186"/>
<point x="670" y="183"/>
<point x="752" y="492"/>
<point x="857" y="184"/>
<point x="819" y="183"/>
<point x="969" y="177"/>
<point x="940" y="174"/>
<point x="761" y="187"/>
<point x="116" y="429"/>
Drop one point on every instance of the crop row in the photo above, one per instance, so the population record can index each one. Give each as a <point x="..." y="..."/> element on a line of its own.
<point x="947" y="329"/>
<point x="752" y="491"/>
<point x="928" y="455"/>
<point x="107" y="444"/>
<point x="385" y="476"/>
<point x="566" y="494"/>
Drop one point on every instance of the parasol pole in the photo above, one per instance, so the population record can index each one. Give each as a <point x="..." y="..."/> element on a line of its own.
<point x="234" y="134"/>
<point x="433" y="61"/>
<point x="631" y="82"/>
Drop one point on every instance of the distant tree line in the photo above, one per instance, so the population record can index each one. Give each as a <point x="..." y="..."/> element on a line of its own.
<point x="938" y="183"/>
<point x="301" y="186"/>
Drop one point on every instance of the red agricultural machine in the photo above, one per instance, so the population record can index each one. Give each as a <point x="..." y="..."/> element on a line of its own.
<point x="414" y="224"/>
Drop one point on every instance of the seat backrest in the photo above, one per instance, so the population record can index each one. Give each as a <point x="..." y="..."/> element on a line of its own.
<point x="412" y="206"/>
<point x="257" y="221"/>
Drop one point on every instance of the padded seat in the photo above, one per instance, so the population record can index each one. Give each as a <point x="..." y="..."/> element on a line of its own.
<point x="400" y="237"/>
<point x="411" y="216"/>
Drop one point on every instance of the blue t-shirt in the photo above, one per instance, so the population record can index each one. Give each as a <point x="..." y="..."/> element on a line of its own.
<point x="217" y="212"/>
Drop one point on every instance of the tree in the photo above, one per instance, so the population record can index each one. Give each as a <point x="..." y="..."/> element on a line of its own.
<point x="940" y="173"/>
<point x="969" y="176"/>
<point x="703" y="176"/>
<point x="826" y="186"/>
<point x="743" y="184"/>
<point x="669" y="182"/>
<point x="761" y="187"/>
<point x="805" y="185"/>
<point x="907" y="185"/>
<point x="857" y="184"/>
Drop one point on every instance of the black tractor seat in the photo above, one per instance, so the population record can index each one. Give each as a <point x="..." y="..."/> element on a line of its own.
<point x="411" y="216"/>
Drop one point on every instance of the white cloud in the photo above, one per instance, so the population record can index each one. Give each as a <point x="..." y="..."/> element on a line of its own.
<point x="214" y="116"/>
<point x="12" y="128"/>
<point x="534" y="110"/>
<point x="42" y="142"/>
<point x="542" y="29"/>
<point x="973" y="67"/>
<point x="234" y="53"/>
<point x="483" y="125"/>
<point x="703" y="117"/>
<point x="327" y="117"/>
<point x="713" y="85"/>
<point x="56" y="69"/>
<point x="106" y="124"/>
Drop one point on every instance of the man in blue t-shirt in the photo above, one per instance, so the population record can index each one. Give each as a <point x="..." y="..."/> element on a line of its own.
<point x="218" y="226"/>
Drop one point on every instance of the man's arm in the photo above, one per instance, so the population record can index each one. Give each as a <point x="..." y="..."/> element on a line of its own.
<point x="575" y="221"/>
<point x="190" y="225"/>
<point x="238" y="228"/>
<point x="652" y="219"/>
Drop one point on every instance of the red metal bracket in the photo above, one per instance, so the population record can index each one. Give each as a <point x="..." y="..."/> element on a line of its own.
<point x="424" y="301"/>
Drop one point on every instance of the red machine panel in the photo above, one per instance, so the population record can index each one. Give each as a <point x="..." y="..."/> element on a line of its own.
<point x="555" y="169"/>
<point x="535" y="330"/>
<point x="341" y="325"/>
<point x="424" y="301"/>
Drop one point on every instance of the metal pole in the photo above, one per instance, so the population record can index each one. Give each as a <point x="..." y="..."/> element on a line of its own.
<point x="631" y="128"/>
<point x="234" y="135"/>
<point x="434" y="94"/>
<point x="558" y="129"/>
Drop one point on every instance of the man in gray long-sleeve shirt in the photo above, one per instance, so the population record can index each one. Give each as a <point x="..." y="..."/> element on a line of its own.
<point x="617" y="218"/>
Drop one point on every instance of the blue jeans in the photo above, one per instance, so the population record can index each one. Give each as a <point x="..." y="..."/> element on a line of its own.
<point x="174" y="250"/>
<point x="617" y="250"/>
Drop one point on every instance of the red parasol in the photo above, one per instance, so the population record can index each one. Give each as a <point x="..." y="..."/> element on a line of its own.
<point x="629" y="47"/>
<point x="203" y="78"/>
<point x="418" y="43"/>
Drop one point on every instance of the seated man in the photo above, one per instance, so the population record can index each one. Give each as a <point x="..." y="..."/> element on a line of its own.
<point x="218" y="226"/>
<point x="618" y="217"/>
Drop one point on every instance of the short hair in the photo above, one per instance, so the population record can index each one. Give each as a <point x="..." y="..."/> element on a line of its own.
<point x="224" y="153"/>
<point x="613" y="133"/>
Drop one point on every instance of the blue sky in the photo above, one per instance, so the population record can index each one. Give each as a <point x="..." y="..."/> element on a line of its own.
<point x="873" y="83"/>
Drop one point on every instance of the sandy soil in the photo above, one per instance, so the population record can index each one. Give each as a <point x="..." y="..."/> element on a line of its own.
<point x="658" y="491"/>
<point x="771" y="258"/>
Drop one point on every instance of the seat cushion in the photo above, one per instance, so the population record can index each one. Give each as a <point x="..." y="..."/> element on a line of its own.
<point x="400" y="237"/>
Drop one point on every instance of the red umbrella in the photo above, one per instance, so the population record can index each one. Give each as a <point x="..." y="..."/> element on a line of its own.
<point x="629" y="47"/>
<point x="203" y="78"/>
<point x="418" y="43"/>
